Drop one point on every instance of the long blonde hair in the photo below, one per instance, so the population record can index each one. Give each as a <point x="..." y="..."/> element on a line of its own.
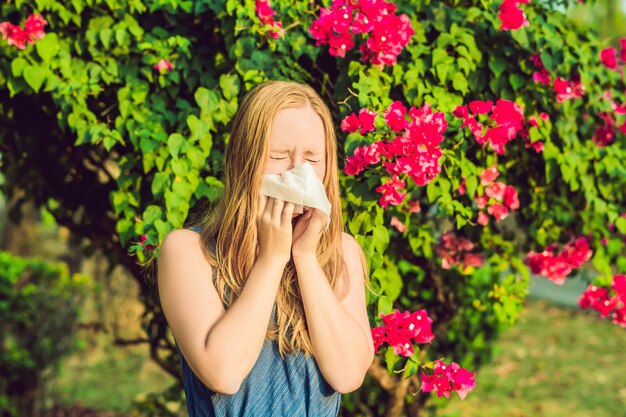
<point x="232" y="226"/>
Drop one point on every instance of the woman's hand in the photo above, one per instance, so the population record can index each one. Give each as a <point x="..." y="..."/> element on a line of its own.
<point x="274" y="230"/>
<point x="307" y="233"/>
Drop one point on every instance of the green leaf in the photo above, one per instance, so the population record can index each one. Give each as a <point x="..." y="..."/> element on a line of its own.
<point x="34" y="76"/>
<point x="174" y="143"/>
<point x="17" y="66"/>
<point x="517" y="81"/>
<point x="471" y="182"/>
<point x="547" y="61"/>
<point x="105" y="37"/>
<point x="391" y="358"/>
<point x="432" y="191"/>
<point x="152" y="213"/>
<point x="160" y="179"/>
<point x="497" y="65"/>
<point x="230" y="86"/>
<point x="47" y="47"/>
<point x="459" y="82"/>
<point x="621" y="225"/>
<point x="384" y="305"/>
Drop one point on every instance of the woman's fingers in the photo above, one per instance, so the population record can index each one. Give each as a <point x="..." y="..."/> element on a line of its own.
<point x="288" y="213"/>
<point x="277" y="210"/>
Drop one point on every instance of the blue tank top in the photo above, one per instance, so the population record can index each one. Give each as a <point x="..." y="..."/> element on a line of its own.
<point x="275" y="387"/>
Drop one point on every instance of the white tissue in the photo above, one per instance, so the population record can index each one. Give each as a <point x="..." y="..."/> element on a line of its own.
<point x="301" y="186"/>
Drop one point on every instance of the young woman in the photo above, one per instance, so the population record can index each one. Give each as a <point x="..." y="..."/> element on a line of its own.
<point x="281" y="329"/>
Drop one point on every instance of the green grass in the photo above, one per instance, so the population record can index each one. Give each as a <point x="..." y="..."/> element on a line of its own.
<point x="106" y="377"/>
<point x="556" y="362"/>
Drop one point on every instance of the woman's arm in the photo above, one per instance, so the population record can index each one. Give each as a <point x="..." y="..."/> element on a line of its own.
<point x="220" y="347"/>
<point x="339" y="330"/>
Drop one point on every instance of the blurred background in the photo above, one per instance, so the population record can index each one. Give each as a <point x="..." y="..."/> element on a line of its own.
<point x="558" y="361"/>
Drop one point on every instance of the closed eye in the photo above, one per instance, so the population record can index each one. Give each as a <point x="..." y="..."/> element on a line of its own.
<point x="280" y="159"/>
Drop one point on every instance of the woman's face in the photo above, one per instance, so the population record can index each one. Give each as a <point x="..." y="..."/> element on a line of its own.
<point x="297" y="137"/>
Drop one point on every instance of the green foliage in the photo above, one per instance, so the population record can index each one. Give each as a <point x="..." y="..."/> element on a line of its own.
<point x="39" y="308"/>
<point x="91" y="82"/>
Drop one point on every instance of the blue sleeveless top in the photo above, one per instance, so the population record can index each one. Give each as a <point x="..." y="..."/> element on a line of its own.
<point x="275" y="387"/>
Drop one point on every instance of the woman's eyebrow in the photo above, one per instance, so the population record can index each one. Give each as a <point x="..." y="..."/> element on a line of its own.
<point x="308" y="152"/>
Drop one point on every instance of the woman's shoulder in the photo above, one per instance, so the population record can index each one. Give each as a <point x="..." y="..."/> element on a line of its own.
<point x="183" y="242"/>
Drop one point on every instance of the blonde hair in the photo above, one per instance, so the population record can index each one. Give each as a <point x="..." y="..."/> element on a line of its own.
<point x="232" y="226"/>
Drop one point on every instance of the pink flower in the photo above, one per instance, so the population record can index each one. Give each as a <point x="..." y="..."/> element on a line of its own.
<point x="265" y="14"/>
<point x="455" y="251"/>
<point x="461" y="112"/>
<point x="511" y="15"/>
<point x="481" y="201"/>
<point x="163" y="66"/>
<point x="489" y="175"/>
<point x="496" y="190"/>
<point x="577" y="252"/>
<point x="509" y="118"/>
<point x="34" y="26"/>
<point x="619" y="316"/>
<point x="483" y="219"/>
<point x="608" y="57"/>
<point x="146" y="246"/>
<point x="609" y="302"/>
<point x="394" y="116"/>
<point x="542" y="75"/>
<point x="438" y="383"/>
<point x="350" y="123"/>
<point x="511" y="199"/>
<point x="566" y="90"/>
<point x="462" y="188"/>
<point x="355" y="163"/>
<point x="498" y="211"/>
<point x="390" y="193"/>
<point x="400" y="327"/>
<point x="604" y="132"/>
<point x="373" y="151"/>
<point x="622" y="54"/>
<point x="447" y="378"/>
<point x="388" y="33"/>
<point x="414" y="206"/>
<point x="19" y="37"/>
<point x="480" y="107"/>
<point x="619" y="286"/>
<point x="397" y="223"/>
<point x="366" y="120"/>
<point x="556" y="265"/>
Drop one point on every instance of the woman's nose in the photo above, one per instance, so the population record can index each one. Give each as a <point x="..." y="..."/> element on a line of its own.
<point x="295" y="161"/>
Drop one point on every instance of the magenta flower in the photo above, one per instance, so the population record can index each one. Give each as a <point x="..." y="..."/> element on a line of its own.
<point x="400" y="327"/>
<point x="163" y="66"/>
<point x="19" y="37"/>
<point x="395" y="116"/>
<point x="511" y="15"/>
<point x="456" y="251"/>
<point x="480" y="107"/>
<point x="489" y="175"/>
<point x="384" y="33"/>
<point x="608" y="57"/>
<point x="366" y="120"/>
<point x="390" y="192"/>
<point x="566" y="90"/>
<point x="265" y="14"/>
<point x="555" y="265"/>
<point x="448" y="378"/>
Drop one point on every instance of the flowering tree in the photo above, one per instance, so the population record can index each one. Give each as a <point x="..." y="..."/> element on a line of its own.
<point x="480" y="141"/>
